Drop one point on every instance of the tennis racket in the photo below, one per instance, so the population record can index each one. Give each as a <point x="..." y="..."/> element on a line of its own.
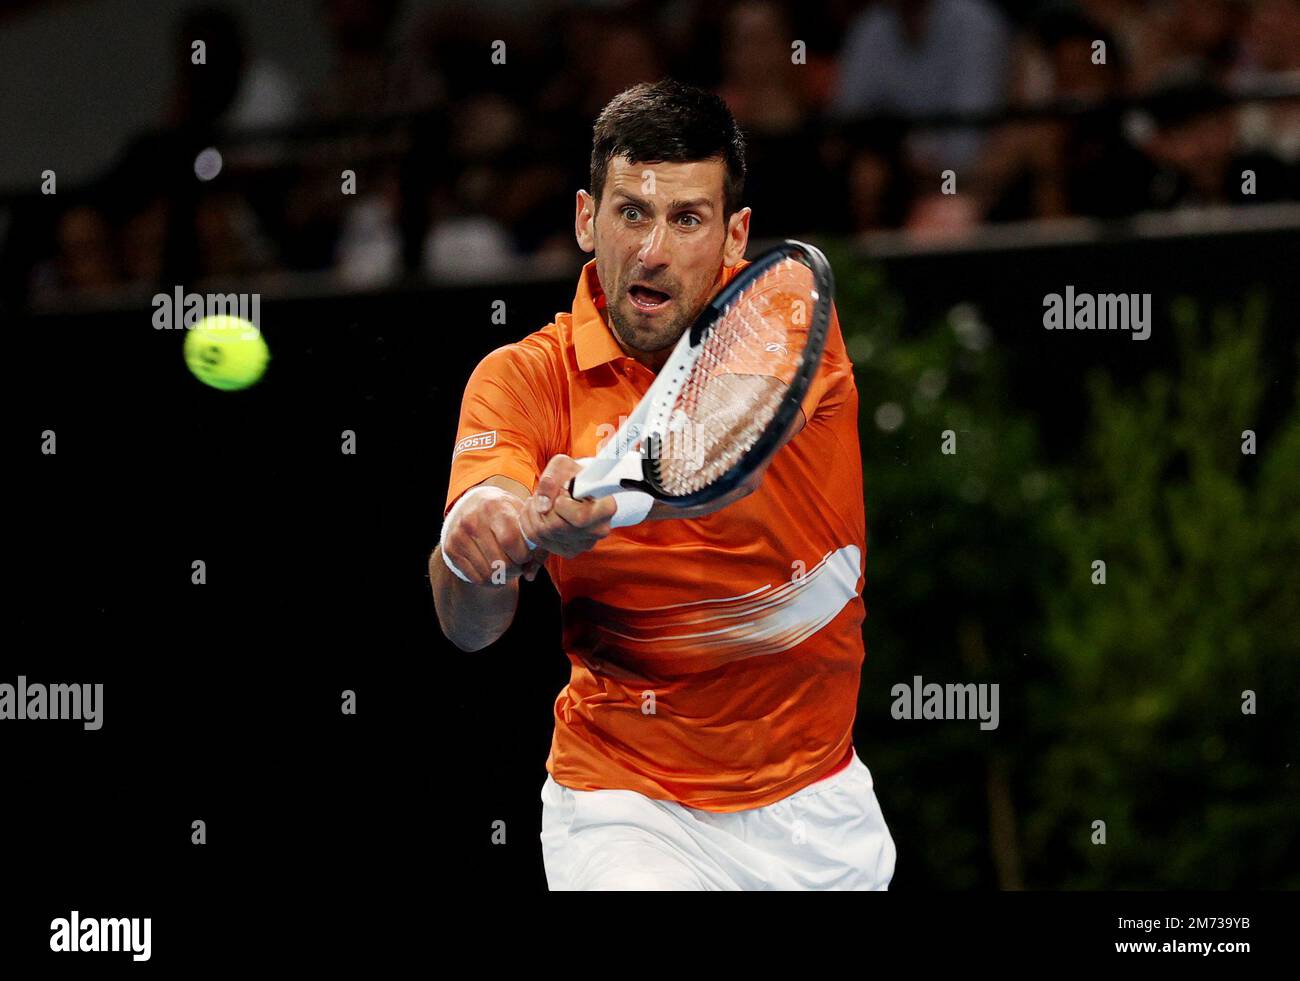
<point x="720" y="406"/>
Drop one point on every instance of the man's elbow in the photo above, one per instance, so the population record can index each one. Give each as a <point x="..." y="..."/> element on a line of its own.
<point x="466" y="637"/>
<point x="469" y="630"/>
<point x="469" y="645"/>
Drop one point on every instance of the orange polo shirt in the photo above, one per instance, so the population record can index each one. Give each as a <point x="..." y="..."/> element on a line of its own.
<point x="715" y="660"/>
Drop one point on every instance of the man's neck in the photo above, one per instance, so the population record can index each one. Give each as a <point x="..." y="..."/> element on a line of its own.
<point x="654" y="360"/>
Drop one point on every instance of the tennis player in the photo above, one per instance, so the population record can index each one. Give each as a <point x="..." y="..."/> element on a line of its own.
<point x="704" y="740"/>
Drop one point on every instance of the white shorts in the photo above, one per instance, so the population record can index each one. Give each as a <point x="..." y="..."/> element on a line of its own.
<point x="830" y="835"/>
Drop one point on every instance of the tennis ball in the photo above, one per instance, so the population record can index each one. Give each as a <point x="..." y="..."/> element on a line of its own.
<point x="225" y="352"/>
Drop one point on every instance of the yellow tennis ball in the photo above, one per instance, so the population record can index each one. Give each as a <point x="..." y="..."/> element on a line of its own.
<point x="225" y="352"/>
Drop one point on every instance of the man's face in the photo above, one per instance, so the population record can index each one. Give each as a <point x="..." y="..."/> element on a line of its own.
<point x="661" y="240"/>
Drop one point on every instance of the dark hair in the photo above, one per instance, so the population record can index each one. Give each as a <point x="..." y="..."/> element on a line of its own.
<point x="671" y="122"/>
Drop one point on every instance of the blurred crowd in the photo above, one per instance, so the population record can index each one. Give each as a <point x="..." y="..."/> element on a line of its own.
<point x="466" y="164"/>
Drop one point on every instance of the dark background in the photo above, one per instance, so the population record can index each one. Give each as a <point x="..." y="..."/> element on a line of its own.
<point x="222" y="701"/>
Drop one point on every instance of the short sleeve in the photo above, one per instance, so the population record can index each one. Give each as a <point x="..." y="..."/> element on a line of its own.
<point x="504" y="428"/>
<point x="834" y="379"/>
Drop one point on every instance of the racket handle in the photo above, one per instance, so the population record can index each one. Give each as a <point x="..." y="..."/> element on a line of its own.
<point x="601" y="476"/>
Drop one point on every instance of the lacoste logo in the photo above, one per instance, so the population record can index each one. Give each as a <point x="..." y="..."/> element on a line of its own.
<point x="479" y="441"/>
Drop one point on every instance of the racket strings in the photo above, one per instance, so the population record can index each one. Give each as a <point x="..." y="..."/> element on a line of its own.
<point x="739" y="381"/>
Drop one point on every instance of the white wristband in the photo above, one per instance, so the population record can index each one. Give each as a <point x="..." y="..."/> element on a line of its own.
<point x="451" y="516"/>
<point x="632" y="507"/>
<point x="442" y="550"/>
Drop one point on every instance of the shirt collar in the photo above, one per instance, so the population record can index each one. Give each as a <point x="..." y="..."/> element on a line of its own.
<point x="593" y="341"/>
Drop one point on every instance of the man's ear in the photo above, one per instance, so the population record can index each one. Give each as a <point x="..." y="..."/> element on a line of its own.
<point x="584" y="222"/>
<point x="737" y="238"/>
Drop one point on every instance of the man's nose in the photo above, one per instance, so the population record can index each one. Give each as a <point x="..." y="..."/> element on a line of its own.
<point x="654" y="252"/>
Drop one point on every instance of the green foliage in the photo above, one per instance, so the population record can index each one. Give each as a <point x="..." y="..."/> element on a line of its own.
<point x="1119" y="702"/>
<point x="1143" y="717"/>
<point x="956" y="548"/>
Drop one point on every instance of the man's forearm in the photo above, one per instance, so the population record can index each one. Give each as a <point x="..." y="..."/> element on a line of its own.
<point x="471" y="616"/>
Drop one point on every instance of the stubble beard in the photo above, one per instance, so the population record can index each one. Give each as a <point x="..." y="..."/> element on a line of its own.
<point x="647" y="339"/>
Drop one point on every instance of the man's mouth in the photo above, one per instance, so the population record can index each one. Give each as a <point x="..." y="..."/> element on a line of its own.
<point x="647" y="299"/>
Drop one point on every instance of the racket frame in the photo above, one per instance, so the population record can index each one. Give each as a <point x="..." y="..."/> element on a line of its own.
<point x="634" y="469"/>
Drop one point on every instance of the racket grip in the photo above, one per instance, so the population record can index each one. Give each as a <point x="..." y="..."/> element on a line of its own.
<point x="631" y="505"/>
<point x="602" y="476"/>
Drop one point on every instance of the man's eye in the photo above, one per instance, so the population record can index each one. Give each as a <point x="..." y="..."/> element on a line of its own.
<point x="694" y="219"/>
<point x="635" y="212"/>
